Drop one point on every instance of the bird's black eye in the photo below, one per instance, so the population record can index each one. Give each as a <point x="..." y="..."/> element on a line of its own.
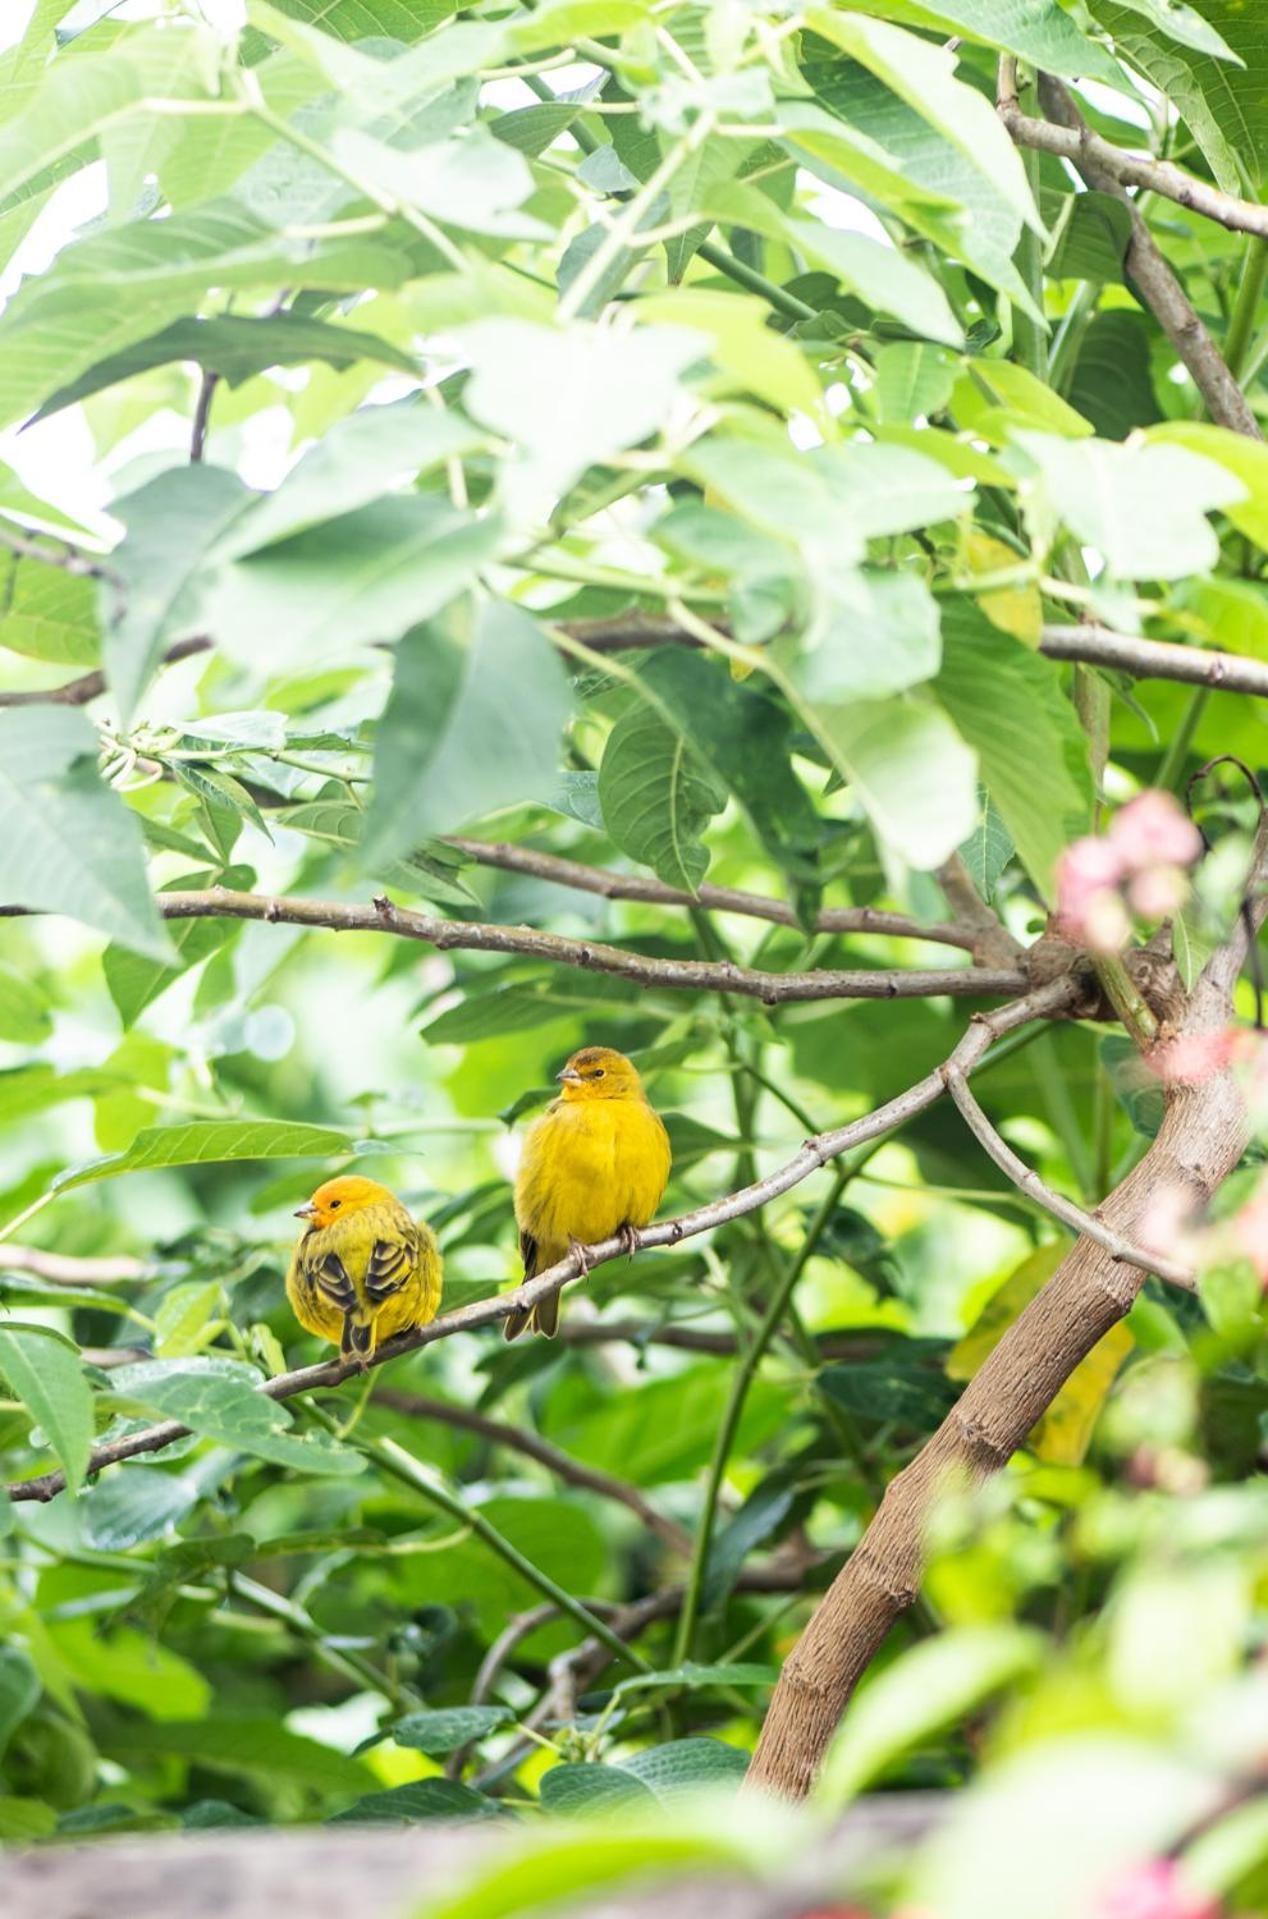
<point x="335" y="1204"/>
<point x="596" y="1074"/>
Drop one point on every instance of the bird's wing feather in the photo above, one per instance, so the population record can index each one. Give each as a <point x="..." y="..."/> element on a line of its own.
<point x="392" y="1263"/>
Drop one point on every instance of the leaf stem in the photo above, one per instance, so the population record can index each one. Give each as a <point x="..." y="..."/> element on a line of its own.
<point x="400" y="1465"/>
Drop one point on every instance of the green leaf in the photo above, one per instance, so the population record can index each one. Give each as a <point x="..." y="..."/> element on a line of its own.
<point x="135" y="982"/>
<point x="24" y="1013"/>
<point x="880" y="276"/>
<point x="1245" y="459"/>
<point x="233" y="345"/>
<point x="1143" y="506"/>
<point x="878" y="633"/>
<point x="746" y="739"/>
<point x="67" y="843"/>
<point x="1091" y="240"/>
<point x="923" y="76"/>
<point x="364" y="577"/>
<point x="421" y="1799"/>
<point x="592" y="1787"/>
<point x="134" y="1506"/>
<point x="359" y="460"/>
<point x="48" y="614"/>
<point x="1008" y="703"/>
<point x="431" y="870"/>
<point x="657" y="796"/>
<point x="200" y="1142"/>
<point x="45" y="1373"/>
<point x="913" y="381"/>
<point x="691" y="1678"/>
<point x="1039" y="31"/>
<point x="926" y="1689"/>
<point x="988" y="849"/>
<point x="156" y="591"/>
<point x="1223" y="104"/>
<point x="353" y="20"/>
<point x="252" y="1745"/>
<point x="454" y="745"/>
<point x="1112" y="385"/>
<point x="19" y="1691"/>
<point x="445" y="1729"/>
<point x="473" y="181"/>
<point x="687" y="1765"/>
<point x="911" y="769"/>
<point x="571" y="397"/>
<point x="1185" y="25"/>
<point x="229" y="1408"/>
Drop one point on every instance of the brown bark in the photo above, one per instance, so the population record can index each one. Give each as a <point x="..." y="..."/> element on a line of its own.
<point x="1201" y="1139"/>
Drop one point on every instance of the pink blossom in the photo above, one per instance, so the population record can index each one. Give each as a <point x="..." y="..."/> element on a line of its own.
<point x="1090" y="909"/>
<point x="1193" y="1057"/>
<point x="1157" y="892"/>
<point x="1154" y="830"/>
<point x="1157" y="1890"/>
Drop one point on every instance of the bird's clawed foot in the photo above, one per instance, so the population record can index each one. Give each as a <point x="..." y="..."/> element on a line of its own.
<point x="582" y="1254"/>
<point x="628" y="1236"/>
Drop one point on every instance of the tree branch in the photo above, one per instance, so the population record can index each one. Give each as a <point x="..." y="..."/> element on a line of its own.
<point x="91" y="686"/>
<point x="66" y="1269"/>
<point x="718" y="899"/>
<point x="1059" y="998"/>
<point x="1156" y="659"/>
<point x="519" y="1439"/>
<point x="773" y="989"/>
<point x="1155" y="281"/>
<point x="1084" y="148"/>
<point x="70" y="559"/>
<point x="992" y="943"/>
<point x="1029" y="1182"/>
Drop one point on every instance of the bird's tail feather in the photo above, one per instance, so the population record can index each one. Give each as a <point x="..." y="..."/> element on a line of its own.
<point x="358" y="1337"/>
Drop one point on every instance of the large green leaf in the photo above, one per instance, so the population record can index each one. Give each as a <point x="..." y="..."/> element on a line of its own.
<point x="657" y="796"/>
<point x="46" y="1373"/>
<point x="915" y="777"/>
<point x="156" y="590"/>
<point x="1040" y="31"/>
<point x="253" y="1745"/>
<point x="71" y="337"/>
<point x="199" y="1142"/>
<point x="366" y="576"/>
<point x="19" y="1691"/>
<point x="1226" y="105"/>
<point x="1008" y="704"/>
<point x="221" y="1401"/>
<point x="468" y="729"/>
<point x="67" y="843"/>
<point x="445" y="1729"/>
<point x="47" y="613"/>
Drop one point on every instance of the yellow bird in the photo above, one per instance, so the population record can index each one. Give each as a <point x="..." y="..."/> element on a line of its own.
<point x="595" y="1163"/>
<point x="362" y="1268"/>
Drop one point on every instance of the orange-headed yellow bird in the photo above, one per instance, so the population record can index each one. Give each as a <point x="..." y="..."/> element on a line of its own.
<point x="595" y="1163"/>
<point x="362" y="1269"/>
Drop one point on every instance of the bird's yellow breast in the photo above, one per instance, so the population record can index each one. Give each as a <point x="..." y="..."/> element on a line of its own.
<point x="590" y="1166"/>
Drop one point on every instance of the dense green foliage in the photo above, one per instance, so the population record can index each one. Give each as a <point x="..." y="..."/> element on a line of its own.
<point x="498" y="335"/>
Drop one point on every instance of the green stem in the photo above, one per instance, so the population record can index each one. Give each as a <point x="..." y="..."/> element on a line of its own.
<point x="1122" y="995"/>
<point x="1241" y="325"/>
<point x="755" y="282"/>
<point x="400" y="1465"/>
<point x="1030" y="344"/>
<point x="742" y="1379"/>
<point x="1171" y="770"/>
<point x="1071" y="332"/>
<point x="340" y="1659"/>
<point x="1092" y="704"/>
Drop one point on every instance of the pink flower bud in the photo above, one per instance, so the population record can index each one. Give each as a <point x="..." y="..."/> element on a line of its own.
<point x="1193" y="1057"/>
<point x="1089" y="908"/>
<point x="1154" y="830"/>
<point x="1157" y="892"/>
<point x="1157" y="1890"/>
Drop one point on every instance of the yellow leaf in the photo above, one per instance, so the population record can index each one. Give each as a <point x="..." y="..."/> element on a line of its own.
<point x="1062" y="1436"/>
<point x="1014" y="609"/>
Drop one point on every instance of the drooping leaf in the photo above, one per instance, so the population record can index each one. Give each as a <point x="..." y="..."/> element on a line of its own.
<point x="657" y="796"/>
<point x="47" y="1375"/>
<point x="468" y="729"/>
<point x="67" y="843"/>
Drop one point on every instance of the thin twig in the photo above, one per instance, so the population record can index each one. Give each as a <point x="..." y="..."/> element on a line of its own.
<point x="1057" y="999"/>
<point x="1155" y="282"/>
<point x="1029" y="1182"/>
<point x="773" y="989"/>
<point x="202" y="415"/>
<point x="1155" y="659"/>
<point x="1084" y="148"/>
<point x="67" y="1269"/>
<point x="61" y="553"/>
<point x="90" y="686"/>
<point x="719" y="899"/>
<point x="519" y="1439"/>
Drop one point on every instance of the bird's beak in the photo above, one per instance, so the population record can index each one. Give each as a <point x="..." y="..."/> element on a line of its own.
<point x="306" y="1212"/>
<point x="570" y="1074"/>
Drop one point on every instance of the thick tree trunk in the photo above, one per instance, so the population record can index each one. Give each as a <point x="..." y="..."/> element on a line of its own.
<point x="1201" y="1140"/>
